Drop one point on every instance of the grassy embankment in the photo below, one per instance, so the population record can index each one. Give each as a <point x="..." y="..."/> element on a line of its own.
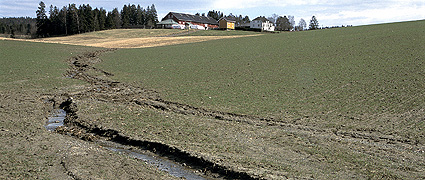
<point x="365" y="79"/>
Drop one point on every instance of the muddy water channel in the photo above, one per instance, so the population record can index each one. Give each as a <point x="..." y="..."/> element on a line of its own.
<point x="161" y="163"/>
<point x="57" y="117"/>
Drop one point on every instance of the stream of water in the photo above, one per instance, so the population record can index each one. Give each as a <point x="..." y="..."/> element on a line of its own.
<point x="161" y="163"/>
<point x="57" y="117"/>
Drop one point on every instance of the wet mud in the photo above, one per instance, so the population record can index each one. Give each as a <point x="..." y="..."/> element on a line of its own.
<point x="162" y="164"/>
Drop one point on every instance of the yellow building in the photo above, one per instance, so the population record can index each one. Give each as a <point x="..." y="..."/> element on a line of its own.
<point x="226" y="23"/>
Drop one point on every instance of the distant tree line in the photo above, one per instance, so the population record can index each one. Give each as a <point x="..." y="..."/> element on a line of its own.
<point x="240" y="19"/>
<point x="21" y="26"/>
<point x="72" y="20"/>
<point x="215" y="14"/>
<point x="287" y="23"/>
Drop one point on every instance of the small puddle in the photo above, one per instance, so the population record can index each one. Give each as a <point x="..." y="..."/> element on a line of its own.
<point x="56" y="119"/>
<point x="173" y="168"/>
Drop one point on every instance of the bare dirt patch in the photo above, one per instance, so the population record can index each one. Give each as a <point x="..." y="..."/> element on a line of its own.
<point x="155" y="41"/>
<point x="127" y="42"/>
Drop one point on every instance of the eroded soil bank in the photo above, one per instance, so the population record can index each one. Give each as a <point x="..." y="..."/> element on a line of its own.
<point x="55" y="123"/>
<point x="29" y="151"/>
<point x="230" y="145"/>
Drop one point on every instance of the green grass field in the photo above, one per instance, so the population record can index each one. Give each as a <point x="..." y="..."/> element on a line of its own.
<point x="366" y="81"/>
<point x="35" y="65"/>
<point x="368" y="73"/>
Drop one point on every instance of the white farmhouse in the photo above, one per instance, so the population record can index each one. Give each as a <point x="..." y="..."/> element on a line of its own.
<point x="262" y="23"/>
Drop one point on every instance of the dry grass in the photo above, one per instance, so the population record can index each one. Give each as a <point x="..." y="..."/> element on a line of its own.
<point x="129" y="38"/>
<point x="138" y="42"/>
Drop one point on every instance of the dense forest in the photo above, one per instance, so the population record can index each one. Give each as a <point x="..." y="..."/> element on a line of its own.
<point x="18" y="27"/>
<point x="72" y="20"/>
<point x="75" y="20"/>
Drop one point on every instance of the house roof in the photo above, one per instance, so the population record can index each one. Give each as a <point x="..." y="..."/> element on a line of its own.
<point x="192" y="18"/>
<point x="244" y="25"/>
<point x="228" y="19"/>
<point x="261" y="18"/>
<point x="167" y="21"/>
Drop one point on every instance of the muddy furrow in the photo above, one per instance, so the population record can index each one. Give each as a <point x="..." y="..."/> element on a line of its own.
<point x="67" y="171"/>
<point x="89" y="132"/>
<point x="253" y="120"/>
<point x="191" y="110"/>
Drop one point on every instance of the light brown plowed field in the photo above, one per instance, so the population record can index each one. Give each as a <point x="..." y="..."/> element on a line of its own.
<point x="130" y="38"/>
<point x="136" y="42"/>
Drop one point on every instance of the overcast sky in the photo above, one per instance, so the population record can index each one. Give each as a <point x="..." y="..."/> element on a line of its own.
<point x="328" y="12"/>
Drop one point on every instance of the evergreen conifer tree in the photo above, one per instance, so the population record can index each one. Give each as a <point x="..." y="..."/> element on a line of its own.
<point x="314" y="24"/>
<point x="42" y="22"/>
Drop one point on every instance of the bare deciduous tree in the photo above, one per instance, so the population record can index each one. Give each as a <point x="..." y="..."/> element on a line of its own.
<point x="273" y="18"/>
<point x="302" y="25"/>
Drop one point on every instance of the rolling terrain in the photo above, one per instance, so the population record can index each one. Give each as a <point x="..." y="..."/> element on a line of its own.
<point x="339" y="103"/>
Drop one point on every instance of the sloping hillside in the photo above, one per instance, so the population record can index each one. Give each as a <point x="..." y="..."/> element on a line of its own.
<point x="334" y="102"/>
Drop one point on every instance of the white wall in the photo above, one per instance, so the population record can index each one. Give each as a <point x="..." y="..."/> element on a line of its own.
<point x="267" y="26"/>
